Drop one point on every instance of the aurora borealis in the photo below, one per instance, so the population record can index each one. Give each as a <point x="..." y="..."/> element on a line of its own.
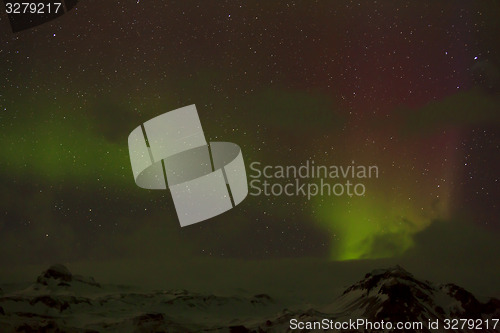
<point x="411" y="87"/>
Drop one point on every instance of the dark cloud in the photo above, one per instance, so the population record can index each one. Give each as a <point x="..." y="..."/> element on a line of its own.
<point x="312" y="110"/>
<point x="460" y="252"/>
<point x="486" y="74"/>
<point x="473" y="107"/>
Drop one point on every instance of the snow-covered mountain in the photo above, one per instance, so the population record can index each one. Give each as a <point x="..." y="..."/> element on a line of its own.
<point x="62" y="302"/>
<point x="396" y="295"/>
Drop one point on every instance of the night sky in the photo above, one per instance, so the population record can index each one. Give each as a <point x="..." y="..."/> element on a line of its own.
<point x="412" y="87"/>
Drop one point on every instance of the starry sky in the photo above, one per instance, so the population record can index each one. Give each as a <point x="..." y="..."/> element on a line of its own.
<point x="412" y="87"/>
